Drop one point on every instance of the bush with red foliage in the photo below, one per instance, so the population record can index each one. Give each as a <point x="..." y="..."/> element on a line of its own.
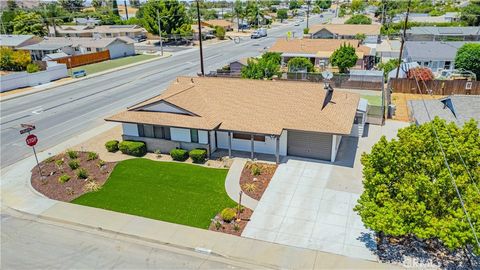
<point x="421" y="73"/>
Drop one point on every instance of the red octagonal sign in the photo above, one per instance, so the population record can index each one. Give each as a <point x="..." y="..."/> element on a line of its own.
<point x="31" y="140"/>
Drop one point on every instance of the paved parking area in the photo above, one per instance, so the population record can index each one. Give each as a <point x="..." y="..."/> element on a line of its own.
<point x="310" y="204"/>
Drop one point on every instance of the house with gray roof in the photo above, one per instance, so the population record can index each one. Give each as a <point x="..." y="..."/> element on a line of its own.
<point x="16" y="41"/>
<point x="437" y="55"/>
<point x="433" y="33"/>
<point x="456" y="108"/>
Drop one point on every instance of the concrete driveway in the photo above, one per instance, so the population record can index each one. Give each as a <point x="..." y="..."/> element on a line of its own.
<point x="309" y="204"/>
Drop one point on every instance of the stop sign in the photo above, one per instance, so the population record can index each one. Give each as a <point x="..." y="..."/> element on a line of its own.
<point x="31" y="140"/>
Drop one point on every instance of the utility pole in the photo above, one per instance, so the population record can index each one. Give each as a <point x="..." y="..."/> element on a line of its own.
<point x="403" y="38"/>
<point x="126" y="9"/>
<point x="160" y="33"/>
<point x="308" y="11"/>
<point x="200" y="38"/>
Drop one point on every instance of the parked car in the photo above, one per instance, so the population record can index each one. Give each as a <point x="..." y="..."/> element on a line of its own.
<point x="297" y="24"/>
<point x="262" y="32"/>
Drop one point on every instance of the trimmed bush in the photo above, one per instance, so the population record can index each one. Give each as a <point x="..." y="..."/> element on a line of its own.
<point x="112" y="146"/>
<point x="228" y="214"/>
<point x="133" y="148"/>
<point x="92" y="156"/>
<point x="198" y="155"/>
<point x="72" y="154"/>
<point x="256" y="170"/>
<point x="82" y="173"/>
<point x="179" y="154"/>
<point x="64" y="178"/>
<point x="73" y="164"/>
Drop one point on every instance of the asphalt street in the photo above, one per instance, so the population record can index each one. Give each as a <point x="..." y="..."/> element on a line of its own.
<point x="28" y="244"/>
<point x="62" y="112"/>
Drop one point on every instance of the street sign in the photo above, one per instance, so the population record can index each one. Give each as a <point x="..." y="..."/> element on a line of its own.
<point x="27" y="126"/>
<point x="31" y="140"/>
<point x="25" y="130"/>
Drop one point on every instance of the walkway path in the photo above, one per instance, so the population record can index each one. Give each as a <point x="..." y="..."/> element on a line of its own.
<point x="232" y="184"/>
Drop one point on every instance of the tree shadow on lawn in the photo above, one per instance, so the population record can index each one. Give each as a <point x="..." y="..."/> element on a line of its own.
<point x="412" y="252"/>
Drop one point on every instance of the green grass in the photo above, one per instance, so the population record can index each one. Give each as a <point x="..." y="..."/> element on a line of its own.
<point x="173" y="192"/>
<point x="106" y="65"/>
<point x="373" y="100"/>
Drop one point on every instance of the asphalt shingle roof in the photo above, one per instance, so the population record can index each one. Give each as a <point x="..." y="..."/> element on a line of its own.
<point x="433" y="50"/>
<point x="13" y="40"/>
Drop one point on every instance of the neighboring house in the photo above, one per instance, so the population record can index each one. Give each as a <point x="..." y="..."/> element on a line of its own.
<point x="437" y="55"/>
<point x="227" y="25"/>
<point x="346" y="31"/>
<point x="456" y="108"/>
<point x="237" y="65"/>
<point x="118" y="47"/>
<point x="105" y="31"/>
<point x="86" y="21"/>
<point x="426" y="18"/>
<point x="388" y="49"/>
<point x="207" y="32"/>
<point x="320" y="50"/>
<point x="433" y="33"/>
<point x="17" y="41"/>
<point x="270" y="117"/>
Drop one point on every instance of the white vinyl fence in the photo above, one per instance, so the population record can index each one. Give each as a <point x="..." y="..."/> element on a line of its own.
<point x="24" y="79"/>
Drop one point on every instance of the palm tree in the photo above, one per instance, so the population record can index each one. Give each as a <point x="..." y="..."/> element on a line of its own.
<point x="239" y="13"/>
<point x="52" y="13"/>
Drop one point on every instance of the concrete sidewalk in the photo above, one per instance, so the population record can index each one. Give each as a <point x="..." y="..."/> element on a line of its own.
<point x="17" y="193"/>
<point x="232" y="184"/>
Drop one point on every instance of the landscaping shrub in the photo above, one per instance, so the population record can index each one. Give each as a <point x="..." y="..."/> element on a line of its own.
<point x="91" y="186"/>
<point x="236" y="227"/>
<point x="112" y="146"/>
<point x="101" y="163"/>
<point x="32" y="68"/>
<point x="92" y="156"/>
<point x="250" y="187"/>
<point x="133" y="148"/>
<point x="64" y="178"/>
<point x="72" y="154"/>
<point x="73" y="164"/>
<point x="179" y="154"/>
<point x="198" y="155"/>
<point x="82" y="173"/>
<point x="256" y="170"/>
<point x="59" y="163"/>
<point x="228" y="214"/>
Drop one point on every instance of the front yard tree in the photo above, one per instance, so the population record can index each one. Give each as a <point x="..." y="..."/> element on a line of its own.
<point x="72" y="5"/>
<point x="29" y="23"/>
<point x="468" y="57"/>
<point x="300" y="64"/>
<point x="282" y="14"/>
<point x="173" y="17"/>
<point x="408" y="189"/>
<point x="265" y="67"/>
<point x="359" y="19"/>
<point x="344" y="58"/>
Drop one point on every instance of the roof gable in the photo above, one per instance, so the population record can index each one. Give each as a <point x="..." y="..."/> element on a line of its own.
<point x="163" y="106"/>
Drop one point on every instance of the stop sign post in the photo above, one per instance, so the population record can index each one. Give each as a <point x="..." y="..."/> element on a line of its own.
<point x="32" y="140"/>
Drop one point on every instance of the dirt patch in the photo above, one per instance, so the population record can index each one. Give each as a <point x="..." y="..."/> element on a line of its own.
<point x="52" y="170"/>
<point x="234" y="227"/>
<point x="400" y="100"/>
<point x="255" y="178"/>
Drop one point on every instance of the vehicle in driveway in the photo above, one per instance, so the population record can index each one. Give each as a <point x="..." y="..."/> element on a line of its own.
<point x="262" y="32"/>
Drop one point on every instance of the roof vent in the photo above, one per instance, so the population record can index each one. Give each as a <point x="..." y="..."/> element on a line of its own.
<point x="191" y="79"/>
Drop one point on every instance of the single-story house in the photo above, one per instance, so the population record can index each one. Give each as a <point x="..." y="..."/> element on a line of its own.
<point x="17" y="41"/>
<point x="454" y="108"/>
<point x="118" y="47"/>
<point x="346" y="31"/>
<point x="320" y="50"/>
<point x="437" y="55"/>
<point x="434" y="33"/>
<point x="427" y="18"/>
<point x="271" y="117"/>
<point x="388" y="49"/>
<point x="227" y="25"/>
<point x="104" y="31"/>
<point x="87" y="21"/>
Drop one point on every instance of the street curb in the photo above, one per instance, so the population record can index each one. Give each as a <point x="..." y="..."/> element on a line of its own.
<point x="74" y="80"/>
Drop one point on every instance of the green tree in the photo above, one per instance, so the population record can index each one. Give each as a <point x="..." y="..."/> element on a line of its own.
<point x="344" y="57"/>
<point x="239" y="12"/>
<point x="360" y="36"/>
<point x="300" y="64"/>
<point x="357" y="6"/>
<point x="253" y="13"/>
<point x="96" y="4"/>
<point x="135" y="3"/>
<point x="408" y="190"/>
<point x="173" y="17"/>
<point x="28" y="23"/>
<point x="282" y="14"/>
<point x="294" y="4"/>
<point x="263" y="68"/>
<point x="359" y="19"/>
<point x="115" y="8"/>
<point x="316" y="10"/>
<point x="471" y="14"/>
<point x="72" y="5"/>
<point x="51" y="14"/>
<point x="388" y="66"/>
<point x="220" y="32"/>
<point x="323" y="4"/>
<point x="14" y="60"/>
<point x="468" y="57"/>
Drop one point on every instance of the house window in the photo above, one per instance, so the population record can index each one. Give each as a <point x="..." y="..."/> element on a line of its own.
<point x="447" y="64"/>
<point x="244" y="136"/>
<point x="194" y="135"/>
<point x="148" y="131"/>
<point x="140" y="130"/>
<point x="98" y="49"/>
<point x="89" y="49"/>
<point x="358" y="119"/>
<point x="108" y="34"/>
<point x="162" y="132"/>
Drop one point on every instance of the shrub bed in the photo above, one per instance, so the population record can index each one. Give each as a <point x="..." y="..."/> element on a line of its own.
<point x="198" y="155"/>
<point x="133" y="148"/>
<point x="179" y="154"/>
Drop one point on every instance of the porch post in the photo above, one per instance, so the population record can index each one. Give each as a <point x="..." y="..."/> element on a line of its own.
<point x="229" y="144"/>
<point x="277" y="149"/>
<point x="253" y="146"/>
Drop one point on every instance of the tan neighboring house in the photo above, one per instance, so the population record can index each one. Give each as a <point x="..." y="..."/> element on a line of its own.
<point x="227" y="25"/>
<point x="320" y="50"/>
<point x="346" y="31"/>
<point x="269" y="117"/>
<point x="104" y="31"/>
<point x="16" y="41"/>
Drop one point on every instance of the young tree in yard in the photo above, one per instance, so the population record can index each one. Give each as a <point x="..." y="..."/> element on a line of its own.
<point x="173" y="17"/>
<point x="29" y="23"/>
<point x="72" y="5"/>
<point x="357" y="6"/>
<point x="468" y="57"/>
<point x="282" y="14"/>
<point x="344" y="58"/>
<point x="300" y="64"/>
<point x="471" y="14"/>
<point x="359" y="19"/>
<point x="264" y="68"/>
<point x="388" y="66"/>
<point x="360" y="36"/>
<point x="408" y="188"/>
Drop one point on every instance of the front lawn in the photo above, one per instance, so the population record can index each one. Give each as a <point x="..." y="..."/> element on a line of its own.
<point x="110" y="64"/>
<point x="174" y="192"/>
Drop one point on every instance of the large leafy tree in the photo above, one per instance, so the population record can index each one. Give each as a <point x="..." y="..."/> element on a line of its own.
<point x="263" y="68"/>
<point x="468" y="57"/>
<point x="29" y="23"/>
<point x="323" y="4"/>
<point x="7" y="16"/>
<point x="239" y="12"/>
<point x="72" y="5"/>
<point x="408" y="188"/>
<point x="52" y="12"/>
<point x="173" y="17"/>
<point x="344" y="58"/>
<point x="359" y="19"/>
<point x="471" y="14"/>
<point x="282" y="14"/>
<point x="14" y="60"/>
<point x="357" y="5"/>
<point x="300" y="64"/>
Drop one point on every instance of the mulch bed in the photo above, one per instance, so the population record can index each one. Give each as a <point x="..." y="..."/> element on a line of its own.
<point x="260" y="181"/>
<point x="230" y="227"/>
<point x="50" y="185"/>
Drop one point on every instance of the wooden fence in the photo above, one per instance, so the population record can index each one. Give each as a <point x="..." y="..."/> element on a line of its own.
<point x="437" y="87"/>
<point x="84" y="59"/>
